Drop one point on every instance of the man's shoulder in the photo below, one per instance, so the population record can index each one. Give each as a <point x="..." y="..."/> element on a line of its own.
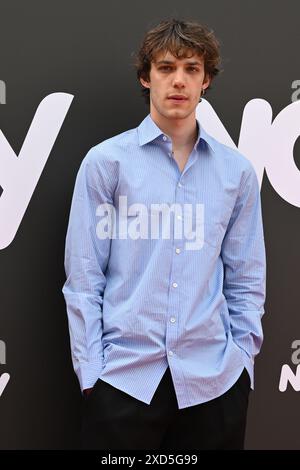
<point x="105" y="156"/>
<point x="231" y="157"/>
<point x="119" y="142"/>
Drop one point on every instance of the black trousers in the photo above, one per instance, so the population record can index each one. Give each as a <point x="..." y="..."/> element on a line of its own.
<point x="112" y="419"/>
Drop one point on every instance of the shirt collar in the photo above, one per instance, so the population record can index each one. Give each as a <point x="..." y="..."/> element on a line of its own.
<point x="148" y="131"/>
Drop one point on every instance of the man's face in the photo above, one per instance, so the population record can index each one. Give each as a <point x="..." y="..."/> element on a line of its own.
<point x="170" y="76"/>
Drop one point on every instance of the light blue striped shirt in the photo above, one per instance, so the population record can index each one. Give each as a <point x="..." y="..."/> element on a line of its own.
<point x="151" y="295"/>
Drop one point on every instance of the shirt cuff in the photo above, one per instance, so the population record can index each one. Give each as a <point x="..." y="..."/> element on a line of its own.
<point x="88" y="374"/>
<point x="249" y="365"/>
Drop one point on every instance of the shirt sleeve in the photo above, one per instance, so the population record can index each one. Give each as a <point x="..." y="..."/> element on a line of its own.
<point x="86" y="258"/>
<point x="243" y="254"/>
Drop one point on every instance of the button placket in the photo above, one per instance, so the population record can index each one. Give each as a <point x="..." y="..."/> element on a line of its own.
<point x="175" y="287"/>
<point x="168" y="145"/>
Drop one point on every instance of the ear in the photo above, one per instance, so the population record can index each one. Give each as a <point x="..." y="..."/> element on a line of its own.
<point x="206" y="82"/>
<point x="144" y="83"/>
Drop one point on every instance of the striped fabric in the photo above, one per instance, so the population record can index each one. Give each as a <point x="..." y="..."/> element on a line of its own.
<point x="151" y="294"/>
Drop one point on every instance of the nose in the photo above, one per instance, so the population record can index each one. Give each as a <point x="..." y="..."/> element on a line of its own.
<point x="179" y="79"/>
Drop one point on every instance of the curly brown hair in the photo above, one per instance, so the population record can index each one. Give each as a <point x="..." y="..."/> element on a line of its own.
<point x="178" y="37"/>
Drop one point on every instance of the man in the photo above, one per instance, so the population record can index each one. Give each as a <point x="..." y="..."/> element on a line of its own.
<point x="165" y="266"/>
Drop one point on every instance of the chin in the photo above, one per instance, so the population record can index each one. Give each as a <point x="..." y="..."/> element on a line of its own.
<point x="179" y="113"/>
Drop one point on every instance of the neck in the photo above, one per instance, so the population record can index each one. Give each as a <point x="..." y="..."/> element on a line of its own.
<point x="182" y="132"/>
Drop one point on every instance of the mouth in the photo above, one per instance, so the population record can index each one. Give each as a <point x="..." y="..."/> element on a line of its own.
<point x="176" y="99"/>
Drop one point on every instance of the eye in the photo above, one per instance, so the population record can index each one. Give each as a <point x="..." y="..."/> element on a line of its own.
<point x="165" y="67"/>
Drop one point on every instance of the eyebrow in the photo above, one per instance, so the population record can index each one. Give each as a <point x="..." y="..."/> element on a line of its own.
<point x="172" y="62"/>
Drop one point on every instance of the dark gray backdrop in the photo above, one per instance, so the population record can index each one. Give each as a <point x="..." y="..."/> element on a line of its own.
<point x="84" y="48"/>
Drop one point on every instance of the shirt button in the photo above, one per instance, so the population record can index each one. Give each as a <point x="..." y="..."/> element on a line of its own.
<point x="164" y="137"/>
<point x="179" y="217"/>
<point x="177" y="250"/>
<point x="175" y="284"/>
<point x="171" y="353"/>
<point x="172" y="319"/>
<point x="180" y="185"/>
